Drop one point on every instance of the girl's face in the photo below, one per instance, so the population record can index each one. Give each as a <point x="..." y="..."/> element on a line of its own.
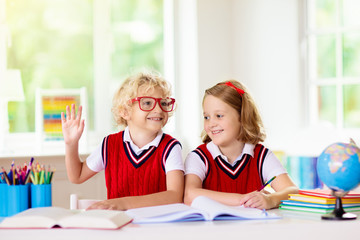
<point x="149" y="122"/>
<point x="221" y="121"/>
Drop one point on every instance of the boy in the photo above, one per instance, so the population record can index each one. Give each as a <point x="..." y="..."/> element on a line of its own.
<point x="143" y="166"/>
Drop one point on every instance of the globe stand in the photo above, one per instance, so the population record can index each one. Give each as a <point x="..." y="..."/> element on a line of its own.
<point x="338" y="213"/>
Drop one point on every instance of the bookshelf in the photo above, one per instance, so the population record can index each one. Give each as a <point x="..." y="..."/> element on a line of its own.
<point x="301" y="169"/>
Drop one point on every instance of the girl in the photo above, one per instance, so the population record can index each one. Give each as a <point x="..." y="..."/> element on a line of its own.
<point x="143" y="166"/>
<point x="232" y="166"/>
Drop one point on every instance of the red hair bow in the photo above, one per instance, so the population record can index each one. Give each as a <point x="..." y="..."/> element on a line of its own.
<point x="239" y="90"/>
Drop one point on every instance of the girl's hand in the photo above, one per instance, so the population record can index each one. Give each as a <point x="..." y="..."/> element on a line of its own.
<point x="72" y="125"/>
<point x="256" y="199"/>
<point x="110" y="204"/>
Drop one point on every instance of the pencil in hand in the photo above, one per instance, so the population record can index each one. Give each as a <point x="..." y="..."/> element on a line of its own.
<point x="267" y="183"/>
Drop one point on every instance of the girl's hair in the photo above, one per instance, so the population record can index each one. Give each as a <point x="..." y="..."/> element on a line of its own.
<point x="251" y="129"/>
<point x="129" y="88"/>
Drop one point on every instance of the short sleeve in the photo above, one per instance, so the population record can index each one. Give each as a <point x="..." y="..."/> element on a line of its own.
<point x="194" y="165"/>
<point x="94" y="161"/>
<point x="272" y="167"/>
<point x="174" y="160"/>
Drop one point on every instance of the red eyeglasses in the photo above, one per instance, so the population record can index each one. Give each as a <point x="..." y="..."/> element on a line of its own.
<point x="148" y="103"/>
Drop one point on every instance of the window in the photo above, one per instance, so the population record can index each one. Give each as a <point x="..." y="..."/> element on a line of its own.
<point x="333" y="73"/>
<point x="51" y="43"/>
<point x="73" y="44"/>
<point x="137" y="36"/>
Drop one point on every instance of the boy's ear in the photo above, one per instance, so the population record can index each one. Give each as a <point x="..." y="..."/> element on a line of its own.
<point x="125" y="114"/>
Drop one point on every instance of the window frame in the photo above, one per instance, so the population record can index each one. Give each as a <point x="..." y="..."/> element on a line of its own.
<point x="312" y="81"/>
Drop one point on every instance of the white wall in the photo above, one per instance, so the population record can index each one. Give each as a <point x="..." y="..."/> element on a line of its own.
<point x="215" y="42"/>
<point x="266" y="46"/>
<point x="253" y="41"/>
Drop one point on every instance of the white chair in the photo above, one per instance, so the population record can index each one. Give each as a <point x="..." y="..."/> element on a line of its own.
<point x="76" y="203"/>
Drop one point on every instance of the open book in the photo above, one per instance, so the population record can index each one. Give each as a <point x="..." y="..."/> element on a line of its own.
<point x="202" y="209"/>
<point x="50" y="217"/>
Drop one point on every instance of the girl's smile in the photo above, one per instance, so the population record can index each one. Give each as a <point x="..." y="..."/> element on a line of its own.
<point x="215" y="132"/>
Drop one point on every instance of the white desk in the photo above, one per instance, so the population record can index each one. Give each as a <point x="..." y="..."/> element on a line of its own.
<point x="289" y="228"/>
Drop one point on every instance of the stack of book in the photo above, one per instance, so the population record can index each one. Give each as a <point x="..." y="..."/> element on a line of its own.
<point x="319" y="201"/>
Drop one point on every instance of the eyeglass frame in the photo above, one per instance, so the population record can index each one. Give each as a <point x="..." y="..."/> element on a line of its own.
<point x="157" y="100"/>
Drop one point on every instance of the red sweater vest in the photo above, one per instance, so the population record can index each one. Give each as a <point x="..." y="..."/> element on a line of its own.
<point x="244" y="177"/>
<point x="127" y="174"/>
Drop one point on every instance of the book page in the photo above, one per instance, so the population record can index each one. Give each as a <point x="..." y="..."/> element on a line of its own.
<point x="165" y="213"/>
<point x="99" y="219"/>
<point x="45" y="217"/>
<point x="219" y="211"/>
<point x="48" y="217"/>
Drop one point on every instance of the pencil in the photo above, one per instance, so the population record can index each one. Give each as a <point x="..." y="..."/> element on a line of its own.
<point x="267" y="183"/>
<point x="5" y="176"/>
<point x="13" y="172"/>
<point x="32" y="179"/>
<point x="31" y="161"/>
<point x="41" y="175"/>
<point x="27" y="177"/>
<point x="51" y="175"/>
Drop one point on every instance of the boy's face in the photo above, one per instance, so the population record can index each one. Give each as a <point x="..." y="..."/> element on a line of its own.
<point x="221" y="121"/>
<point x="147" y="122"/>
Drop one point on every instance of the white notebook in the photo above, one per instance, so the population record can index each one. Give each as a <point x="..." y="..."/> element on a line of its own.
<point x="201" y="209"/>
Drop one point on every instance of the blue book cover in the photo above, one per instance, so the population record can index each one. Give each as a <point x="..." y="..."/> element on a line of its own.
<point x="302" y="170"/>
<point x="307" y="172"/>
<point x="293" y="168"/>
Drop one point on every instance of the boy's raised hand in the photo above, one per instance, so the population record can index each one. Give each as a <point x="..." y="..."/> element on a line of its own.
<point x="72" y="125"/>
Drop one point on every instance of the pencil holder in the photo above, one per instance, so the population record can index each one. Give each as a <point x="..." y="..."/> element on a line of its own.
<point x="3" y="199"/>
<point x="41" y="195"/>
<point x="13" y="199"/>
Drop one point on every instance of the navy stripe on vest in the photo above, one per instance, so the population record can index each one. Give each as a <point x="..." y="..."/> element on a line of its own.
<point x="262" y="154"/>
<point x="137" y="160"/>
<point x="168" y="148"/>
<point x="233" y="171"/>
<point x="104" y="151"/>
<point x="203" y="157"/>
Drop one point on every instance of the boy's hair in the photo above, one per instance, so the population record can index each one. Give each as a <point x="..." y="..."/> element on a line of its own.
<point x="129" y="88"/>
<point x="251" y="129"/>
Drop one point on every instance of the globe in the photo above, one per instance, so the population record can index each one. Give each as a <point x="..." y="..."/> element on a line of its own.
<point x="338" y="166"/>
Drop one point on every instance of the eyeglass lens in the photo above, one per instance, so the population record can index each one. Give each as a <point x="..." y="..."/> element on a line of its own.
<point x="148" y="104"/>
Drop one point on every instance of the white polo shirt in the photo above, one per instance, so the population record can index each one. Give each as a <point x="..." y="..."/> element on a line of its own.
<point x="271" y="165"/>
<point x="174" y="161"/>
